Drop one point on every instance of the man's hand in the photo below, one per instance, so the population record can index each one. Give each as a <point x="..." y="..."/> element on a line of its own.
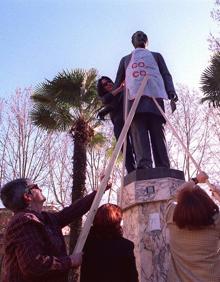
<point x="173" y="96"/>
<point x="118" y="90"/>
<point x="202" y="177"/>
<point x="101" y="115"/>
<point x="109" y="184"/>
<point x="76" y="259"/>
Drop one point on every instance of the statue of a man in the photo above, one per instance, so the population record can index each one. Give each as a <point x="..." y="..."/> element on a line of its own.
<point x="148" y="123"/>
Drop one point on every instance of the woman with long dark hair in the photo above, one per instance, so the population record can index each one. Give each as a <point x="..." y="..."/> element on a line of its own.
<point x="194" y="226"/>
<point x="113" y="102"/>
<point x="108" y="257"/>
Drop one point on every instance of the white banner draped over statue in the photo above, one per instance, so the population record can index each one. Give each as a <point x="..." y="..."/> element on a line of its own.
<point x="143" y="64"/>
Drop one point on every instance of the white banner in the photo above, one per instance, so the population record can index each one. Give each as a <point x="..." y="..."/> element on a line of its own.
<point x="143" y="64"/>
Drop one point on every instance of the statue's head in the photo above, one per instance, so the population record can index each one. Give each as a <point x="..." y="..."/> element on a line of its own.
<point x="139" y="39"/>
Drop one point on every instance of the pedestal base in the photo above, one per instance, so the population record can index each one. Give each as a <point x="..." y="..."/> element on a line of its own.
<point x="144" y="201"/>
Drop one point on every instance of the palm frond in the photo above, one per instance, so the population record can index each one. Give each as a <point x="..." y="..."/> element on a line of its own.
<point x="39" y="97"/>
<point x="51" y="120"/>
<point x="88" y="90"/>
<point x="97" y="140"/>
<point x="68" y="96"/>
<point x="210" y="82"/>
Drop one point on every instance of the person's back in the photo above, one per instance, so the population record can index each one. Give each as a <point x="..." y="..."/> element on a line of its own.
<point x="108" y="260"/>
<point x="194" y="230"/>
<point x="197" y="249"/>
<point x="108" y="257"/>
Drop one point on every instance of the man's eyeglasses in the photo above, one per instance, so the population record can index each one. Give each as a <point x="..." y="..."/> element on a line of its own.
<point x="31" y="187"/>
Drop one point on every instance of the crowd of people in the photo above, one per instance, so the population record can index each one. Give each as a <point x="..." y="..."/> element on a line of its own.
<point x="34" y="247"/>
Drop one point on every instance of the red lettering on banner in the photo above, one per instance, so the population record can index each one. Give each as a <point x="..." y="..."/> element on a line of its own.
<point x="143" y="73"/>
<point x="141" y="64"/>
<point x="135" y="73"/>
<point x="134" y="65"/>
<point x="138" y="73"/>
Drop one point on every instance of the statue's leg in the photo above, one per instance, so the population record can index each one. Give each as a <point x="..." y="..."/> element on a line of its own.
<point x="140" y="140"/>
<point x="158" y="141"/>
<point x="130" y="159"/>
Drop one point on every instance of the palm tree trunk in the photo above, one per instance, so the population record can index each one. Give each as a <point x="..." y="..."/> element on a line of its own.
<point x="81" y="135"/>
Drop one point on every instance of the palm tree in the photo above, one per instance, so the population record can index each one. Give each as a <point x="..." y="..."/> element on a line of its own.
<point x="69" y="103"/>
<point x="210" y="81"/>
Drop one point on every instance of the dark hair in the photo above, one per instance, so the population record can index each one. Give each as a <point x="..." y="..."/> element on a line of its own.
<point x="194" y="209"/>
<point x="100" y="89"/>
<point x="107" y="221"/>
<point x="12" y="194"/>
<point x="132" y="38"/>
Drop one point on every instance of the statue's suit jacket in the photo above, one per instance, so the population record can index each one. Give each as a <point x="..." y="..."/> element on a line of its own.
<point x="146" y="104"/>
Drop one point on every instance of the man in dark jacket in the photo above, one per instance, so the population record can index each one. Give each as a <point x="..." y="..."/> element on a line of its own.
<point x="148" y="119"/>
<point x="34" y="245"/>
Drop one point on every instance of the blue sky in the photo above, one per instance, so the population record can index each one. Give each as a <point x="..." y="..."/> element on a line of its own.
<point x="42" y="37"/>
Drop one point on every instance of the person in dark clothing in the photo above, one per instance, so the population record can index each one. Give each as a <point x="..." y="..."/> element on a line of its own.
<point x="113" y="101"/>
<point x="148" y="120"/>
<point x="108" y="257"/>
<point x="34" y="247"/>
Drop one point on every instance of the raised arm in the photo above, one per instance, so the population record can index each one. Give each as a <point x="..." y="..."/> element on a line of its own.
<point x="77" y="209"/>
<point x="118" y="90"/>
<point x="201" y="177"/>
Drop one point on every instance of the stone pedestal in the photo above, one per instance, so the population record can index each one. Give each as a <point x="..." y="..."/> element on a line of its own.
<point x="144" y="200"/>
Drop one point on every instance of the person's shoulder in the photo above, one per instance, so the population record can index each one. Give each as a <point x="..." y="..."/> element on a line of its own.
<point x="22" y="223"/>
<point x="21" y="218"/>
<point x="126" y="57"/>
<point x="156" y="54"/>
